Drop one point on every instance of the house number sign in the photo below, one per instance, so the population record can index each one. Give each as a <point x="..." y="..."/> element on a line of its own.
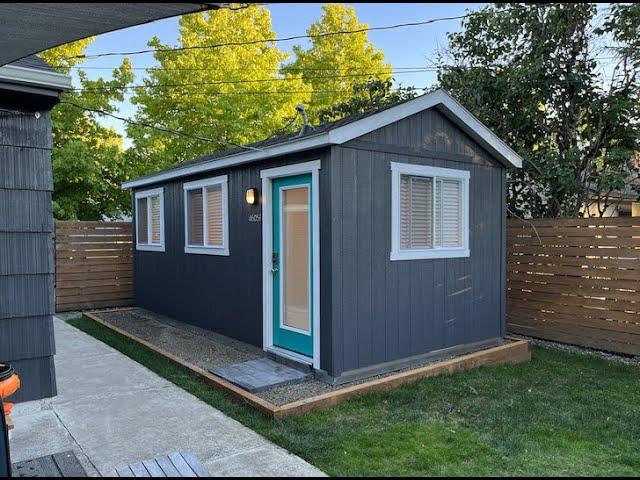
<point x="255" y="218"/>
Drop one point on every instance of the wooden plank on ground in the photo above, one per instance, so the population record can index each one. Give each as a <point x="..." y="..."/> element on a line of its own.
<point x="181" y="465"/>
<point x="167" y="467"/>
<point x="153" y="468"/>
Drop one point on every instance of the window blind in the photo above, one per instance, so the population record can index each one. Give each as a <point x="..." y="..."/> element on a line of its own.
<point x="155" y="219"/>
<point x="416" y="218"/>
<point x="214" y="216"/>
<point x="195" y="230"/>
<point x="430" y="219"/>
<point x="449" y="219"/>
<point x="143" y="221"/>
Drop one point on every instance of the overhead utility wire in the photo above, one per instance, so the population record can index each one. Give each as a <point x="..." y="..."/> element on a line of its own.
<point x="292" y="37"/>
<point x="259" y="80"/>
<point x="158" y="128"/>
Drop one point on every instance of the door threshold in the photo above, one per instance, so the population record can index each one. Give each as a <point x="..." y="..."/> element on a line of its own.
<point x="290" y="356"/>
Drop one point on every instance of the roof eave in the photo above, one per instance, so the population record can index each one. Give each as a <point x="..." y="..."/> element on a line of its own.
<point x="35" y="77"/>
<point x="293" y="146"/>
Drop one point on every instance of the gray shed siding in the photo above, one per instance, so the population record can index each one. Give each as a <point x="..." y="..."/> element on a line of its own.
<point x="26" y="252"/>
<point x="220" y="293"/>
<point x="386" y="310"/>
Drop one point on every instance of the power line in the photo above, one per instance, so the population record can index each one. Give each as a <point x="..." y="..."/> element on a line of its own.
<point x="250" y="69"/>
<point x="294" y="37"/>
<point x="156" y="127"/>
<point x="259" y="80"/>
<point x="199" y="85"/>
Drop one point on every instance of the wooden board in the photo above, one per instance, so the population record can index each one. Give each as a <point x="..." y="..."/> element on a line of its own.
<point x="175" y="464"/>
<point x="94" y="265"/>
<point x="576" y="281"/>
<point x="514" y="351"/>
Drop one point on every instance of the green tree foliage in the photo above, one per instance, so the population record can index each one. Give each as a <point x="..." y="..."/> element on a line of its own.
<point x="235" y="94"/>
<point x="365" y="97"/>
<point x="531" y="73"/>
<point x="88" y="160"/>
<point x="335" y="64"/>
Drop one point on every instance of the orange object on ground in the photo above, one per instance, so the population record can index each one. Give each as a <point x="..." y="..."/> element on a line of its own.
<point x="9" y="386"/>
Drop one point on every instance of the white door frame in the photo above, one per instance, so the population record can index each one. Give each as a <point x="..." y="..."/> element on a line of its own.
<point x="267" y="176"/>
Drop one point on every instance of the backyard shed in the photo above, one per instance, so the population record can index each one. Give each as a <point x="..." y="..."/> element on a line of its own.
<point x="355" y="247"/>
<point x="28" y="91"/>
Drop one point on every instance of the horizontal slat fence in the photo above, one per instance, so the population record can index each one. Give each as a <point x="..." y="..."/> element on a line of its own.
<point x="94" y="265"/>
<point x="576" y="281"/>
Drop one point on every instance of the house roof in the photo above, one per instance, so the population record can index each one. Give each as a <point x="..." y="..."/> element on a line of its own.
<point x="35" y="72"/>
<point x="339" y="132"/>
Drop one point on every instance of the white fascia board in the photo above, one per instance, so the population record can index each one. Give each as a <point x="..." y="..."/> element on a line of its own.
<point x="36" y="77"/>
<point x="462" y="117"/>
<point x="439" y="99"/>
<point x="306" y="143"/>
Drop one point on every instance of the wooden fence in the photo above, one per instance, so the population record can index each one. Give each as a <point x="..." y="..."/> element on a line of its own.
<point x="94" y="265"/>
<point x="576" y="281"/>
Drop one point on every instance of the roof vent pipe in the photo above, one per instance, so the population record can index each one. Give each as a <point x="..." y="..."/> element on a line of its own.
<point x="305" y="123"/>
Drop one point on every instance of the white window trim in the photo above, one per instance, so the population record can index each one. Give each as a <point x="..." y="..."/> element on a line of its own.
<point x="151" y="247"/>
<point x="205" y="249"/>
<point x="397" y="253"/>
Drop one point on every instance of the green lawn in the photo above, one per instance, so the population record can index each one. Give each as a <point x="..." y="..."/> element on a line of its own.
<point x="561" y="414"/>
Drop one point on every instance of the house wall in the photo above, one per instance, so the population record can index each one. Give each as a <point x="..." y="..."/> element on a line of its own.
<point x="386" y="310"/>
<point x="26" y="249"/>
<point x="220" y="293"/>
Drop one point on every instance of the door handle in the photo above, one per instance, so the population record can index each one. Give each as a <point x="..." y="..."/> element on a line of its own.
<point x="274" y="262"/>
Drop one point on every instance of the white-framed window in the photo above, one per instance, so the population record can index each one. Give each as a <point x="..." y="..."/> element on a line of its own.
<point x="429" y="212"/>
<point x="149" y="206"/>
<point x="206" y="214"/>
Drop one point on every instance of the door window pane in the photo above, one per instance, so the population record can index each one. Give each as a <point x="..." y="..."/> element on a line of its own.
<point x="296" y="258"/>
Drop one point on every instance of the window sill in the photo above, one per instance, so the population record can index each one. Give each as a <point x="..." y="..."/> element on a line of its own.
<point x="207" y="251"/>
<point x="150" y="248"/>
<point x="430" y="254"/>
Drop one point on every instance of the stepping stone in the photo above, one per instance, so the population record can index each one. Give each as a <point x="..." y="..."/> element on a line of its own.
<point x="262" y="374"/>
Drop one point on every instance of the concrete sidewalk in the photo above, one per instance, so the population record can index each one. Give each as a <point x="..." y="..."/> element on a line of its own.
<point x="113" y="411"/>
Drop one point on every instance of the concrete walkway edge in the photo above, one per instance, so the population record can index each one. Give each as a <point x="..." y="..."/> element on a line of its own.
<point x="112" y="411"/>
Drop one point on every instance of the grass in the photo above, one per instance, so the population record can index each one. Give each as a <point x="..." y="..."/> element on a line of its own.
<point x="560" y="414"/>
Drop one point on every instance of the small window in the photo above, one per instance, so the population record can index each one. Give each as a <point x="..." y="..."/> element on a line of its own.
<point x="206" y="217"/>
<point x="150" y="220"/>
<point x="429" y="212"/>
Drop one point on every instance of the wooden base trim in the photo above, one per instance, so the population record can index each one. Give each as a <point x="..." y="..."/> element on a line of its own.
<point x="515" y="351"/>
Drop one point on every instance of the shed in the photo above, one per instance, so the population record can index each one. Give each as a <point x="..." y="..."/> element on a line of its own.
<point x="357" y="246"/>
<point x="28" y="90"/>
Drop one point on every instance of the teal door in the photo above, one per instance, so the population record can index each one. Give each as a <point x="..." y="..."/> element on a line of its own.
<point x="292" y="265"/>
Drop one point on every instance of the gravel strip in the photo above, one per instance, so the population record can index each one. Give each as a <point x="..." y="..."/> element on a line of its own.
<point x="209" y="350"/>
<point x="196" y="345"/>
<point x="635" y="361"/>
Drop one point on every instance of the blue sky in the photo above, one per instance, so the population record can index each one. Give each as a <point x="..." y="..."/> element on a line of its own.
<point x="404" y="47"/>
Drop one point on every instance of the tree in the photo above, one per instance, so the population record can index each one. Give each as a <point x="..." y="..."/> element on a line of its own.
<point x="531" y="73"/>
<point x="334" y="64"/>
<point x="227" y="94"/>
<point x="88" y="159"/>
<point x="365" y="97"/>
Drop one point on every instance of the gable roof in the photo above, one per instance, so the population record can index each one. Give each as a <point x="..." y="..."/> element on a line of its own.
<point x="342" y="131"/>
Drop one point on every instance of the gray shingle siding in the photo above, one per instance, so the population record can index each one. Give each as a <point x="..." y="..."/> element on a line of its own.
<point x="27" y="252"/>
